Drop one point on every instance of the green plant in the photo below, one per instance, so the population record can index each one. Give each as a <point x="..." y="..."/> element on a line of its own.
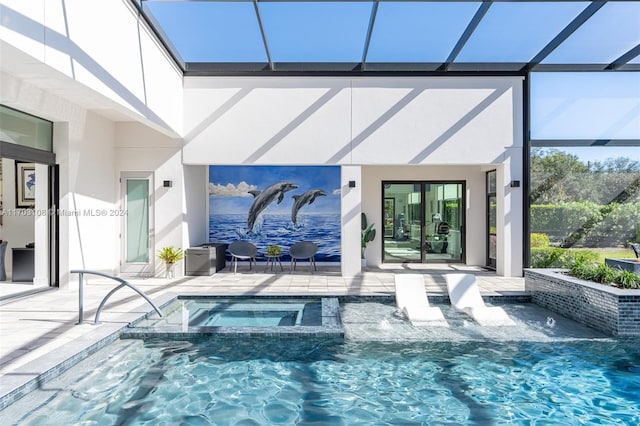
<point x="583" y="270"/>
<point x="539" y="240"/>
<point x="604" y="274"/>
<point x="368" y="233"/>
<point x="273" y="250"/>
<point x="627" y="279"/>
<point x="170" y="254"/>
<point x="554" y="257"/>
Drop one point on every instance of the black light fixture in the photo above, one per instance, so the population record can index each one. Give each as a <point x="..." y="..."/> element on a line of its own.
<point x="167" y="183"/>
<point x="352" y="184"/>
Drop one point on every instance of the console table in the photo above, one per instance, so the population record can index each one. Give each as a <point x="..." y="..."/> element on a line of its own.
<point x="23" y="265"/>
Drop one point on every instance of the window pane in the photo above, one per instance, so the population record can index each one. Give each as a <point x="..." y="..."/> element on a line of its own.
<point x="491" y="182"/>
<point x="316" y="31"/>
<point x="137" y="230"/>
<point x="585" y="105"/>
<point x="402" y="222"/>
<point x="211" y="31"/>
<point x="516" y="32"/>
<point x="24" y="129"/>
<point x="585" y="198"/>
<point x="607" y="35"/>
<point x="418" y="32"/>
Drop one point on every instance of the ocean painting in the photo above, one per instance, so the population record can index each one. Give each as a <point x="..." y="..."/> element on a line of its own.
<point x="276" y="205"/>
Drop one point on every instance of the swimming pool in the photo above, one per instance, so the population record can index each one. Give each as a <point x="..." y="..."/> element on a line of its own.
<point x="565" y="375"/>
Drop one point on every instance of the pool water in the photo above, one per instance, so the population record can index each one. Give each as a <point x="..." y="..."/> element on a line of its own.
<point x="563" y="375"/>
<point x="229" y="312"/>
<point x="244" y="314"/>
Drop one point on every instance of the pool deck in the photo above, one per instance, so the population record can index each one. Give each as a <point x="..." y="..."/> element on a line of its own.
<point x="40" y="332"/>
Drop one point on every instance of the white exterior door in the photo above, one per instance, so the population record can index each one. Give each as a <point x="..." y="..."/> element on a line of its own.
<point x="137" y="224"/>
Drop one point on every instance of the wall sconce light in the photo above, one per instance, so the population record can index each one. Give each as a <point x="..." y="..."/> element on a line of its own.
<point x="352" y="184"/>
<point x="515" y="184"/>
<point x="167" y="183"/>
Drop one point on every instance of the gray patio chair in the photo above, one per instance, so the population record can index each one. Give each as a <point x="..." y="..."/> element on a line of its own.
<point x="303" y="250"/>
<point x="636" y="249"/>
<point x="243" y="250"/>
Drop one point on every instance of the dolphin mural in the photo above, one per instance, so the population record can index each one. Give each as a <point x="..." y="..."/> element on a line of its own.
<point x="262" y="199"/>
<point x="300" y="200"/>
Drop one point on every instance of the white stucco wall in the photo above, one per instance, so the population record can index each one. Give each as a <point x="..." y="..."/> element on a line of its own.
<point x="312" y="120"/>
<point x="77" y="41"/>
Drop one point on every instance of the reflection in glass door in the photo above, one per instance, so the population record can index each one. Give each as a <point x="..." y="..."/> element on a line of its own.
<point x="491" y="217"/>
<point x="403" y="217"/>
<point x="423" y="221"/>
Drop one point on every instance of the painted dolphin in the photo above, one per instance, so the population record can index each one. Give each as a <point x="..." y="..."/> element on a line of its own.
<point x="263" y="198"/>
<point x="300" y="200"/>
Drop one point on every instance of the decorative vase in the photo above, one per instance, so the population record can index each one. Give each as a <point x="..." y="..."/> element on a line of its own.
<point x="169" y="270"/>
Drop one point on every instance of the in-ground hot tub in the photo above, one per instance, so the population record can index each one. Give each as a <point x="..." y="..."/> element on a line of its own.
<point x="189" y="316"/>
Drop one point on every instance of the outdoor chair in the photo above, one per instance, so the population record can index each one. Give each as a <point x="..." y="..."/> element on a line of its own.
<point x="636" y="249"/>
<point x="303" y="250"/>
<point x="412" y="300"/>
<point x="465" y="296"/>
<point x="243" y="250"/>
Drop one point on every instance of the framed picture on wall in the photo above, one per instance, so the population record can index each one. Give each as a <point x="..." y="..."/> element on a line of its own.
<point x="25" y="185"/>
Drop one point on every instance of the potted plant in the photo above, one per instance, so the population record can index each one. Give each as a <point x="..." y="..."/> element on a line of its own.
<point x="274" y="251"/>
<point x="368" y="235"/>
<point x="170" y="255"/>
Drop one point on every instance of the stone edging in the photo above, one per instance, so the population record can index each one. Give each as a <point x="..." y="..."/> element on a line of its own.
<point x="612" y="310"/>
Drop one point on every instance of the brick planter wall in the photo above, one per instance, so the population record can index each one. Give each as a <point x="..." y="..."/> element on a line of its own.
<point x="609" y="309"/>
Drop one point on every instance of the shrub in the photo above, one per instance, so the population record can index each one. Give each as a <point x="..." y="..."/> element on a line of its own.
<point x="627" y="279"/>
<point x="554" y="257"/>
<point x="603" y="225"/>
<point x="603" y="274"/>
<point x="583" y="270"/>
<point x="539" y="240"/>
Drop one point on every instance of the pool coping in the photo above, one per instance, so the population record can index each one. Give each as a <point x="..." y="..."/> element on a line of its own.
<point x="36" y="373"/>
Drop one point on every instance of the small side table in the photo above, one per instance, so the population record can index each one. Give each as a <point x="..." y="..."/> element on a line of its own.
<point x="271" y="261"/>
<point x="23" y="265"/>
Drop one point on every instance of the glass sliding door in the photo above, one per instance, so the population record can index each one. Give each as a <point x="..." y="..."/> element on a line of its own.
<point x="444" y="219"/>
<point x="424" y="221"/>
<point x="402" y="215"/>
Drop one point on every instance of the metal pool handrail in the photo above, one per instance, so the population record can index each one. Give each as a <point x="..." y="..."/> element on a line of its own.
<point x="123" y="283"/>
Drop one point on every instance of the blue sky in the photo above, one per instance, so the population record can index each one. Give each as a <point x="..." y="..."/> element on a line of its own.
<point x="403" y="31"/>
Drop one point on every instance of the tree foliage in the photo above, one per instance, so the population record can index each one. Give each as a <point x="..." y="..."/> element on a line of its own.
<point x="591" y="204"/>
<point x="558" y="177"/>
